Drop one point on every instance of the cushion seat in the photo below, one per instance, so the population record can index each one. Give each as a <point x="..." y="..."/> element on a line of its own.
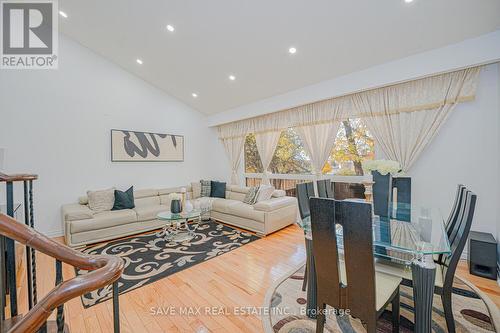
<point x="385" y="285"/>
<point x="75" y="212"/>
<point x="246" y="211"/>
<point x="146" y="213"/>
<point x="223" y="205"/>
<point x="105" y="220"/>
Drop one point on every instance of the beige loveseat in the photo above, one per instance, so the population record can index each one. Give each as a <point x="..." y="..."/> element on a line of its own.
<point x="82" y="226"/>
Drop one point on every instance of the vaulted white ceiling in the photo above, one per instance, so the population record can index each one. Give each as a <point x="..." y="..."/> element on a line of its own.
<point x="250" y="39"/>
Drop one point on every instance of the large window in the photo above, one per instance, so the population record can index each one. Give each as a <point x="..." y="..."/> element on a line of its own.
<point x="353" y="144"/>
<point x="290" y="156"/>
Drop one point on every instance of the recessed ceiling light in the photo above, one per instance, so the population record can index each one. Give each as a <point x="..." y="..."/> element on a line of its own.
<point x="139" y="61"/>
<point x="292" y="50"/>
<point x="63" y="14"/>
<point x="170" y="28"/>
<point x="232" y="77"/>
<point x="408" y="1"/>
<point x="194" y="95"/>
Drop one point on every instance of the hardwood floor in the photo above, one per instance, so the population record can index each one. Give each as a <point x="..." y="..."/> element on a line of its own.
<point x="489" y="287"/>
<point x="235" y="279"/>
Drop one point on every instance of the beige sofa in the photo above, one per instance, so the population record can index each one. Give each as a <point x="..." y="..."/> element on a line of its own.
<point x="82" y="226"/>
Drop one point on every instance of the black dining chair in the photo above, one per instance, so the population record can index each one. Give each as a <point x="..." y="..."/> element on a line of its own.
<point x="352" y="283"/>
<point x="449" y="265"/>
<point x="325" y="188"/>
<point x="446" y="268"/>
<point x="304" y="192"/>
<point x="455" y="213"/>
<point x="457" y="209"/>
<point x="456" y="203"/>
<point x="382" y="194"/>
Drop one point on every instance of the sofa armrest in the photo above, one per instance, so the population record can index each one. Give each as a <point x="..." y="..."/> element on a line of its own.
<point x="74" y="212"/>
<point x="275" y="203"/>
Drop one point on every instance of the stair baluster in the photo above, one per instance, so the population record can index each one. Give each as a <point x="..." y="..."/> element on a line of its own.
<point x="33" y="255"/>
<point x="11" y="254"/>
<point x="60" y="309"/>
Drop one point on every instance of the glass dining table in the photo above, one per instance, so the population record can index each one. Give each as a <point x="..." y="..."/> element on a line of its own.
<point x="404" y="245"/>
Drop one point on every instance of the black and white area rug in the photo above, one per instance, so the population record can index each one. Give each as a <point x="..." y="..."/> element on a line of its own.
<point x="149" y="257"/>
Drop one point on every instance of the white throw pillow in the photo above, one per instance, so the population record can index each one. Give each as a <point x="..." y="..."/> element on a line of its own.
<point x="251" y="196"/>
<point x="196" y="188"/>
<point x="265" y="192"/>
<point x="102" y="200"/>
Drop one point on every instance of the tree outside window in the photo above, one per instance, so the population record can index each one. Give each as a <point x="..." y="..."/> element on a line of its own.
<point x="289" y="157"/>
<point x="353" y="144"/>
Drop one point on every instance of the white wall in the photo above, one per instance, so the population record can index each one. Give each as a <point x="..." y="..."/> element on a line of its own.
<point x="57" y="124"/>
<point x="466" y="150"/>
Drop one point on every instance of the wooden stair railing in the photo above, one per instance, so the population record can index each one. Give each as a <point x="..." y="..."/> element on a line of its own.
<point x="104" y="270"/>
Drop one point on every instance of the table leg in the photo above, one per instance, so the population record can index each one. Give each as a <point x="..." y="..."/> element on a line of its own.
<point x="424" y="276"/>
<point x="190" y="231"/>
<point x="311" y="307"/>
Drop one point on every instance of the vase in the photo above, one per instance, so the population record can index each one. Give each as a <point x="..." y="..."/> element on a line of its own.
<point x="188" y="206"/>
<point x="175" y="206"/>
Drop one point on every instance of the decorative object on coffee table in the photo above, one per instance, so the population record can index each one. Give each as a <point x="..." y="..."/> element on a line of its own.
<point x="205" y="208"/>
<point x="188" y="205"/>
<point x="183" y="192"/>
<point x="176" y="225"/>
<point x="175" y="203"/>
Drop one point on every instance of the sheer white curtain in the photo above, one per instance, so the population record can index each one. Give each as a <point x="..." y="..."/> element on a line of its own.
<point x="266" y="145"/>
<point x="318" y="141"/>
<point x="234" y="149"/>
<point x="402" y="137"/>
<point x="405" y="118"/>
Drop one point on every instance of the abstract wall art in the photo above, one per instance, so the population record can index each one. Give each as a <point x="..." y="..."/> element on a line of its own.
<point x="133" y="146"/>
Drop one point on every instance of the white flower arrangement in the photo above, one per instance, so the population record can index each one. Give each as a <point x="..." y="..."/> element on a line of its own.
<point x="175" y="196"/>
<point x="382" y="166"/>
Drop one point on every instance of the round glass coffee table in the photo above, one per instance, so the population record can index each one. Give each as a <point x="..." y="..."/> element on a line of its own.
<point x="176" y="227"/>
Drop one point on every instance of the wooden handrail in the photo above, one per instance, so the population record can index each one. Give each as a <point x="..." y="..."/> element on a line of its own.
<point x="105" y="270"/>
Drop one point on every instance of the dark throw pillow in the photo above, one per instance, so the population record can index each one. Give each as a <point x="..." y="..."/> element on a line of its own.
<point x="206" y="188"/>
<point x="218" y="189"/>
<point x="124" y="200"/>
